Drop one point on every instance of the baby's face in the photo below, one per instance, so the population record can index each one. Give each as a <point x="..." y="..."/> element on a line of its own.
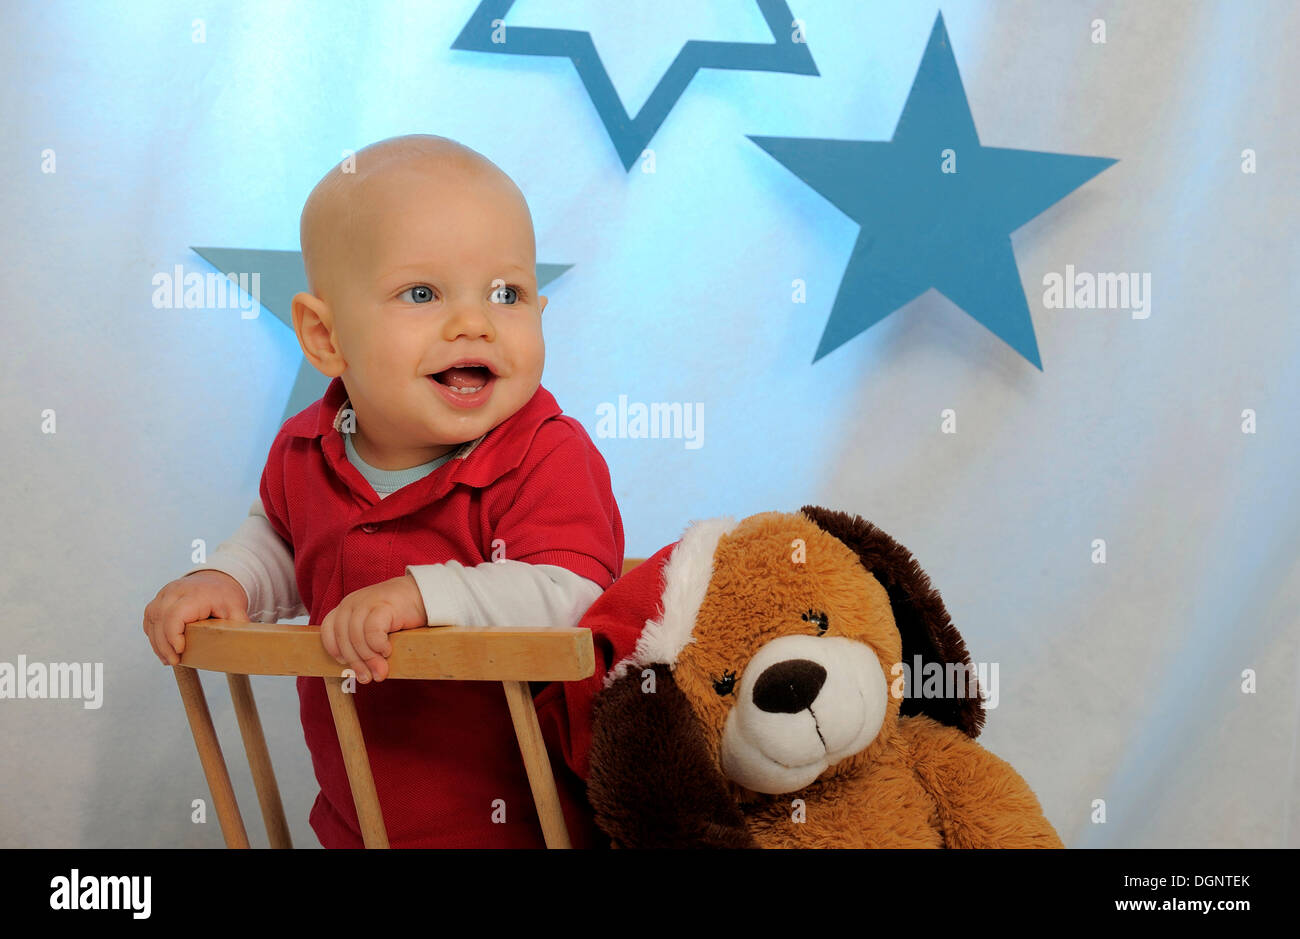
<point x="438" y="316"/>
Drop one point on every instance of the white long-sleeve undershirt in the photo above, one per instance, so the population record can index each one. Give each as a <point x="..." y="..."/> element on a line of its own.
<point x="494" y="593"/>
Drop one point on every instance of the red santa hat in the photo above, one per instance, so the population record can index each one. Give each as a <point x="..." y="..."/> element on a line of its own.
<point x="672" y="601"/>
<point x="645" y="618"/>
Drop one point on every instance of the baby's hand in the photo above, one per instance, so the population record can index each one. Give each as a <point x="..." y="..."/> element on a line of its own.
<point x="201" y="595"/>
<point x="355" y="633"/>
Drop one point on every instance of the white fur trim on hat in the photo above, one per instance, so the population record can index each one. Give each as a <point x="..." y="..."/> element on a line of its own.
<point x="686" y="577"/>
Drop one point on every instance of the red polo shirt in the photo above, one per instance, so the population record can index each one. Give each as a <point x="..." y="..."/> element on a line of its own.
<point x="442" y="752"/>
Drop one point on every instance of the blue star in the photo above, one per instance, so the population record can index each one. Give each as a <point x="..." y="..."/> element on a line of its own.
<point x="922" y="227"/>
<point x="630" y="135"/>
<point x="282" y="276"/>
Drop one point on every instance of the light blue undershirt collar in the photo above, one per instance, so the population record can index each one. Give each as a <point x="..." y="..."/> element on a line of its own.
<point x="386" y="482"/>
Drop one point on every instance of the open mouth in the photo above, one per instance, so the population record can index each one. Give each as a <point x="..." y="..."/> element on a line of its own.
<point x="464" y="379"/>
<point x="467" y="384"/>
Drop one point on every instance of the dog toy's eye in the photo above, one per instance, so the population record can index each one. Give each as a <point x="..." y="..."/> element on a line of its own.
<point x="815" y="616"/>
<point x="724" y="685"/>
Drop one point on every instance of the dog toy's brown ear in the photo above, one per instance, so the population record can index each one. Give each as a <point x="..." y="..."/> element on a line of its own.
<point x="919" y="612"/>
<point x="652" y="782"/>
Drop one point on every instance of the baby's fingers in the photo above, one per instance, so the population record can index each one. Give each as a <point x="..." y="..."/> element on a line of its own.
<point x="333" y="638"/>
<point x="151" y="628"/>
<point x="327" y="637"/>
<point x="174" y="634"/>
<point x="369" y="635"/>
<point x="343" y="634"/>
<point x="375" y="629"/>
<point x="168" y="626"/>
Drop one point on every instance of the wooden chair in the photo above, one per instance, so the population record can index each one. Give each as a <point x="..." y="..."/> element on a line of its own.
<point x="512" y="655"/>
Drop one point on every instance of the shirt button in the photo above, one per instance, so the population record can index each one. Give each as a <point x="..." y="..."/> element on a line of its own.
<point x="370" y="528"/>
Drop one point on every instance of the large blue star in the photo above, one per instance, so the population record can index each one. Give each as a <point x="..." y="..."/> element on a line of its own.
<point x="922" y="227"/>
<point x="630" y="135"/>
<point x="281" y="276"/>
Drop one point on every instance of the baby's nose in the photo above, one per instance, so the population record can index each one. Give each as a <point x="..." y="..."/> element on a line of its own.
<point x="469" y="320"/>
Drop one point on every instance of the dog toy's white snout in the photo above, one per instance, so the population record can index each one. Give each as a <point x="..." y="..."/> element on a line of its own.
<point x="803" y="703"/>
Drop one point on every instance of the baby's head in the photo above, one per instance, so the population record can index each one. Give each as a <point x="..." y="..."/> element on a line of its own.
<point x="423" y="296"/>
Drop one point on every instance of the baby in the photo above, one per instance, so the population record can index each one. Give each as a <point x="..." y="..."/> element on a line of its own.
<point x="436" y="482"/>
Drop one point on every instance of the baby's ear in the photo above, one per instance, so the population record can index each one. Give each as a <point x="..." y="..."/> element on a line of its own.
<point x="541" y="305"/>
<point x="312" y="323"/>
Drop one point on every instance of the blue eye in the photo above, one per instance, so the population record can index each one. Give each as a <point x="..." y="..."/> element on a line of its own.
<point x="418" y="294"/>
<point x="513" y="294"/>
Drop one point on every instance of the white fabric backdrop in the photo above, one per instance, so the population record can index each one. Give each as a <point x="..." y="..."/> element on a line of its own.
<point x="1119" y="682"/>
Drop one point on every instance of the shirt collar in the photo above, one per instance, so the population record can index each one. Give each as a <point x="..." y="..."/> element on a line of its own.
<point x="495" y="453"/>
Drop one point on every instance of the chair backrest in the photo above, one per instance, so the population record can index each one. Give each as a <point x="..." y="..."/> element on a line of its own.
<point x="512" y="655"/>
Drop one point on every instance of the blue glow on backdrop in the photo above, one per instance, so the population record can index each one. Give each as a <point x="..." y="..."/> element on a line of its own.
<point x="709" y="280"/>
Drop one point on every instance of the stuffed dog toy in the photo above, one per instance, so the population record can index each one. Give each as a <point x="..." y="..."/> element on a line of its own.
<point x="765" y="704"/>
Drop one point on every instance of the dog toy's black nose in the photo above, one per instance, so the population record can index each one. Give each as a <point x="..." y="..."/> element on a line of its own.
<point x="789" y="687"/>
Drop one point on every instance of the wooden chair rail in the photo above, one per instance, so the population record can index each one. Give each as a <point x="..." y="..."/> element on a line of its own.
<point x="512" y="655"/>
<point x="489" y="653"/>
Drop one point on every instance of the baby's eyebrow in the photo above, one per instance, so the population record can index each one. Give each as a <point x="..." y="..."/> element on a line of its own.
<point x="419" y="268"/>
<point x="399" y="270"/>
